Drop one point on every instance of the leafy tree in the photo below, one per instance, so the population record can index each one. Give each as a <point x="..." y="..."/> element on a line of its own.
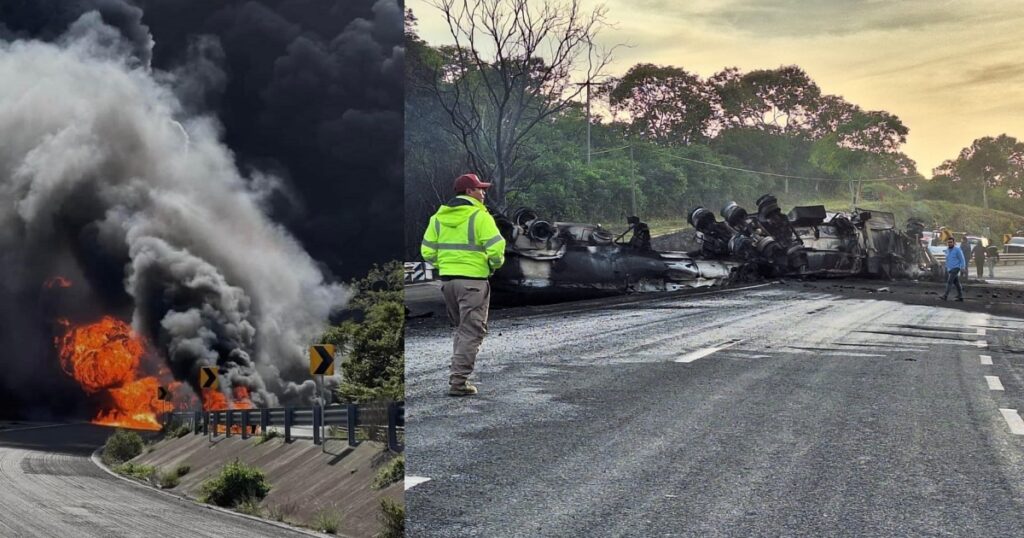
<point x="664" y="103"/>
<point x="510" y="69"/>
<point x="374" y="367"/>
<point x="988" y="164"/>
<point x="782" y="100"/>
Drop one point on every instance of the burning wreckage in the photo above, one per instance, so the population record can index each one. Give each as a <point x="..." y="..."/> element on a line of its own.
<point x="571" y="260"/>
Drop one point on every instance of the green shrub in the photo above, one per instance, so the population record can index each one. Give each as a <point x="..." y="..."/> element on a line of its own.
<point x="121" y="447"/>
<point x="392" y="518"/>
<point x="390" y="472"/>
<point x="168" y="480"/>
<point x="182" y="470"/>
<point x="181" y="431"/>
<point x="235" y="483"/>
<point x="327" y="521"/>
<point x="134" y="470"/>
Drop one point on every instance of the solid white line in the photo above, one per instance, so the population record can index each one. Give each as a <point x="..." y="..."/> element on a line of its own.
<point x="411" y="481"/>
<point x="993" y="382"/>
<point x="986" y="359"/>
<point x="1013" y="420"/>
<point x="981" y="332"/>
<point x="701" y="353"/>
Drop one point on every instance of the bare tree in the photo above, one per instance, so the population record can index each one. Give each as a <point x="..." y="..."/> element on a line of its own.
<point x="511" y="68"/>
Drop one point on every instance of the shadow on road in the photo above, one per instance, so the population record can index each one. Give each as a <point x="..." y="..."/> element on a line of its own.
<point x="76" y="439"/>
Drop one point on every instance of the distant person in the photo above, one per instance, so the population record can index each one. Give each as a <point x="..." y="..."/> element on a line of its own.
<point x="465" y="246"/>
<point x="965" y="248"/>
<point x="991" y="258"/>
<point x="979" y="260"/>
<point x="956" y="263"/>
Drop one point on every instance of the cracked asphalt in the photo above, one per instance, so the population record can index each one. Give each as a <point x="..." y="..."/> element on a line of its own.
<point x="824" y="408"/>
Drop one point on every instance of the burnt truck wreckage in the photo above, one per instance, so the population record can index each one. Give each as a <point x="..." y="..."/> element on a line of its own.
<point x="566" y="260"/>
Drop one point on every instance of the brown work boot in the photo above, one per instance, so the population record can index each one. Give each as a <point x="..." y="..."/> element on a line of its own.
<point x="462" y="389"/>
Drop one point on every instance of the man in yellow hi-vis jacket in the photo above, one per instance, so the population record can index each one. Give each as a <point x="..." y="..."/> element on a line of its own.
<point x="463" y="243"/>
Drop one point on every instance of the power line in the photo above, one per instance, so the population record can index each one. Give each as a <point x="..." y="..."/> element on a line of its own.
<point x="773" y="174"/>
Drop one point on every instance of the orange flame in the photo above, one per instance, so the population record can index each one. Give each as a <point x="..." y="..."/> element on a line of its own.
<point x="215" y="400"/>
<point x="57" y="281"/>
<point x="241" y="395"/>
<point x="105" y="356"/>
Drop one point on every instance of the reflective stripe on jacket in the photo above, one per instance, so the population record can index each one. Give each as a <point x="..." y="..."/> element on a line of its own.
<point x="462" y="239"/>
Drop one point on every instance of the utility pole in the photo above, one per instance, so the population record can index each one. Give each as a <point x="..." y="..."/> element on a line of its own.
<point x="588" y="84"/>
<point x="632" y="174"/>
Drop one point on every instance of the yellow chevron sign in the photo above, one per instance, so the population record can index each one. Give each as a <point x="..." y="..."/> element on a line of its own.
<point x="321" y="359"/>
<point x="208" y="377"/>
<point x="163" y="394"/>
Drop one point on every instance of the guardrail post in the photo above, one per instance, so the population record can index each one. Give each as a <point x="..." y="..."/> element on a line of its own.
<point x="287" y="424"/>
<point x="352" y="418"/>
<point x="228" y="422"/>
<point x="394" y="417"/>
<point x="264" y="420"/>
<point x="215" y="420"/>
<point x="318" y="420"/>
<point x="197" y="422"/>
<point x="245" y="424"/>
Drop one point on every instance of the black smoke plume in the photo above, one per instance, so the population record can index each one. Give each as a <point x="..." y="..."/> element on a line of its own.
<point x="206" y="172"/>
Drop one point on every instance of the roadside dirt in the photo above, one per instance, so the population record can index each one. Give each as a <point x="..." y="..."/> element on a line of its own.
<point x="304" y="480"/>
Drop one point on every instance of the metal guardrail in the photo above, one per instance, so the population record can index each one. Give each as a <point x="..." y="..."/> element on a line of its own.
<point x="1004" y="259"/>
<point x="387" y="418"/>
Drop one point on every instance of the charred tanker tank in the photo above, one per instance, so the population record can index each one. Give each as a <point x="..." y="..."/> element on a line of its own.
<point x="566" y="260"/>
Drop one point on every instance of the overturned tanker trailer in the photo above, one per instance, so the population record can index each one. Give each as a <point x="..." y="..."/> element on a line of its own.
<point x="564" y="260"/>
<point x="571" y="260"/>
<point x="811" y="241"/>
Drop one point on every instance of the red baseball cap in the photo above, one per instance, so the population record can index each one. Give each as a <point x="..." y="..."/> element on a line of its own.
<point x="469" y="181"/>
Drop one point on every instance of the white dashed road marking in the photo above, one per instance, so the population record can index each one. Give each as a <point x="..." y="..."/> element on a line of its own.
<point x="411" y="481"/>
<point x="981" y="343"/>
<point x="701" y="353"/>
<point x="981" y="332"/>
<point x="993" y="382"/>
<point x="1013" y="420"/>
<point x="986" y="359"/>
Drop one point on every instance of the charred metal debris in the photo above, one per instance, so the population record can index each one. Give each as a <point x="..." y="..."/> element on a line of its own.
<point x="567" y="258"/>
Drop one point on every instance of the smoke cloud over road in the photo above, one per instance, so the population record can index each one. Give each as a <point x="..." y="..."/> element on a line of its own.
<point x="113" y="182"/>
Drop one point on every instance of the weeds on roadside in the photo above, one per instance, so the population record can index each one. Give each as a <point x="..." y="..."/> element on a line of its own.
<point x="327" y="521"/>
<point x="250" y="507"/>
<point x="134" y="470"/>
<point x="281" y="511"/>
<point x="392" y="518"/>
<point x="267" y="435"/>
<point x="168" y="480"/>
<point x="390" y="472"/>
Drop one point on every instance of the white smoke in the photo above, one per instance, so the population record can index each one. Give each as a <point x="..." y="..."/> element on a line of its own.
<point x="89" y="136"/>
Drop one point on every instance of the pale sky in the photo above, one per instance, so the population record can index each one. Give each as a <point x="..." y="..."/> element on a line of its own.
<point x="953" y="71"/>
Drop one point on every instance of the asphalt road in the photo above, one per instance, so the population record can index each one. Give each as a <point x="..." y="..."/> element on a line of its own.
<point x="783" y="410"/>
<point x="49" y="487"/>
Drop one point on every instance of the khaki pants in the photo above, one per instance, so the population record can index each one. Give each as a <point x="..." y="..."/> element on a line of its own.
<point x="468" y="302"/>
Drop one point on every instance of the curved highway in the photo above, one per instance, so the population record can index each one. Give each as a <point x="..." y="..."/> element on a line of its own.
<point x="49" y="487"/>
<point x="836" y="408"/>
